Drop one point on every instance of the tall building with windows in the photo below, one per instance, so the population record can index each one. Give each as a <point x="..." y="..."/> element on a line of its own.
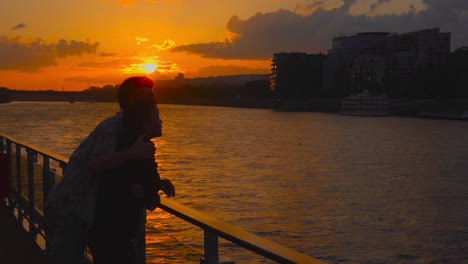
<point x="340" y="62"/>
<point x="413" y="52"/>
<point x="296" y="75"/>
<point x="391" y="61"/>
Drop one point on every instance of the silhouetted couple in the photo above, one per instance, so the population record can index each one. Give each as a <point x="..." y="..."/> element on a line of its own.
<point x="109" y="178"/>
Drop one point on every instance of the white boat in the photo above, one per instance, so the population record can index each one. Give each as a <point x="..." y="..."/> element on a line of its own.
<point x="365" y="104"/>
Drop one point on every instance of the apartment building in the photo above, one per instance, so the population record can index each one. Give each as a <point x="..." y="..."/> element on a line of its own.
<point x="390" y="61"/>
<point x="296" y="75"/>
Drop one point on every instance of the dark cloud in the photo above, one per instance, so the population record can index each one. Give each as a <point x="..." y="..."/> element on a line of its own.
<point x="165" y="67"/>
<point x="27" y="57"/>
<point x="347" y="4"/>
<point x="165" y="63"/>
<point x="264" y="34"/>
<point x="375" y="5"/>
<point x="460" y="5"/>
<point x="106" y="64"/>
<point x="17" y="54"/>
<point x="22" y="25"/>
<point x="107" y="54"/>
<point x="70" y="48"/>
<point x="316" y="4"/>
<point x="306" y="9"/>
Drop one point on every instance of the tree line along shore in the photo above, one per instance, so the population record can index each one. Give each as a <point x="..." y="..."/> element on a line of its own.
<point x="261" y="98"/>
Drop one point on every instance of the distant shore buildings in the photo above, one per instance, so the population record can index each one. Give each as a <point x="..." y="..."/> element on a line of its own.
<point x="371" y="61"/>
<point x="226" y="80"/>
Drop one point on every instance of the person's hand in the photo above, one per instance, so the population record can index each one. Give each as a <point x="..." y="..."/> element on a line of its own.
<point x="142" y="149"/>
<point x="167" y="187"/>
<point x="153" y="202"/>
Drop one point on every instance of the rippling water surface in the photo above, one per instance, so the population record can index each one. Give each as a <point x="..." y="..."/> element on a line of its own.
<point x="339" y="188"/>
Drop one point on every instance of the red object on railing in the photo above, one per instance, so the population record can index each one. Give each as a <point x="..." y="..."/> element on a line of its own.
<point x="4" y="184"/>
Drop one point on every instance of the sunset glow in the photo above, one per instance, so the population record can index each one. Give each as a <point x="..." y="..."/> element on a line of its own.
<point x="150" y="67"/>
<point x="59" y="49"/>
<point x="140" y="68"/>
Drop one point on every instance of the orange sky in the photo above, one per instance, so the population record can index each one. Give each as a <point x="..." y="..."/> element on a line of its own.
<point x="73" y="44"/>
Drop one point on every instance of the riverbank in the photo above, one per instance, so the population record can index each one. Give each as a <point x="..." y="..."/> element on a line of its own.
<point x="426" y="108"/>
<point x="437" y="109"/>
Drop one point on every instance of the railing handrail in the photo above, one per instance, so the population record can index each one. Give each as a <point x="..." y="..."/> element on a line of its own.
<point x="245" y="239"/>
<point x="39" y="150"/>
<point x="212" y="226"/>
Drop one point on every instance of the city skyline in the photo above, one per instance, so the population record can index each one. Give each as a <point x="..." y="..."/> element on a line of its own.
<point x="76" y="44"/>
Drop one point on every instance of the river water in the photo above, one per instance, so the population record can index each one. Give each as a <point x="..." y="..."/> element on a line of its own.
<point x="339" y="188"/>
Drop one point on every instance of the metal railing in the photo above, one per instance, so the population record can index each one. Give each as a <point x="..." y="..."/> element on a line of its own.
<point x="34" y="171"/>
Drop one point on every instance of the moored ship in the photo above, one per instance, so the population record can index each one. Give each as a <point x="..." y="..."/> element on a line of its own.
<point x="365" y="104"/>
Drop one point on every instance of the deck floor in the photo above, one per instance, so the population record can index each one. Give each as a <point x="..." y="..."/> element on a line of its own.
<point x="16" y="247"/>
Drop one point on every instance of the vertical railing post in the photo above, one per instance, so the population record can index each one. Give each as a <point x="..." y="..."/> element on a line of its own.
<point x="141" y="238"/>
<point x="18" y="169"/>
<point x="2" y="145"/>
<point x="63" y="165"/>
<point x="10" y="174"/>
<point x="211" y="255"/>
<point x="31" y="193"/>
<point x="2" y="148"/>
<point x="19" y="184"/>
<point x="48" y="181"/>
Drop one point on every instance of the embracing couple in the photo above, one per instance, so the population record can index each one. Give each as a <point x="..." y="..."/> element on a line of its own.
<point x="109" y="178"/>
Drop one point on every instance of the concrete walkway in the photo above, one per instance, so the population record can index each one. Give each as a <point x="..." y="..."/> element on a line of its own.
<point x="16" y="247"/>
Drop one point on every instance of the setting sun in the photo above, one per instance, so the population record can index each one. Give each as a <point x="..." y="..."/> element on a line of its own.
<point x="145" y="67"/>
<point x="150" y="67"/>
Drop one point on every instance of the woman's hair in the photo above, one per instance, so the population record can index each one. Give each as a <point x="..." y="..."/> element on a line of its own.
<point x="136" y="103"/>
